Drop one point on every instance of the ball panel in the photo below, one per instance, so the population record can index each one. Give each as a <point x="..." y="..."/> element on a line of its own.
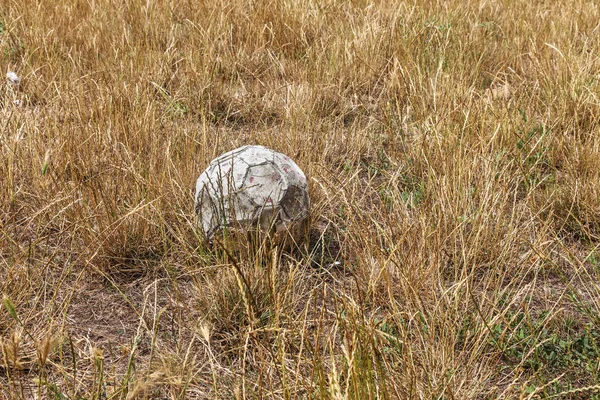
<point x="292" y="172"/>
<point x="227" y="176"/>
<point x="207" y="209"/>
<point x="264" y="185"/>
<point x="257" y="155"/>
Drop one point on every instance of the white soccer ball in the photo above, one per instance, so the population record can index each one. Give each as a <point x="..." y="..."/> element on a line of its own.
<point x="253" y="188"/>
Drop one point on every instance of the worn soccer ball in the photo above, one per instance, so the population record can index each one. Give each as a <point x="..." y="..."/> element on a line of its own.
<point x="253" y="189"/>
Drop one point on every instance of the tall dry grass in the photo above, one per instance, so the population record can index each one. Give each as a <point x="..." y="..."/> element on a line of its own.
<point x="453" y="152"/>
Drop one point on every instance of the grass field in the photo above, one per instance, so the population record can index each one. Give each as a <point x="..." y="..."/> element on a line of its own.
<point x="453" y="156"/>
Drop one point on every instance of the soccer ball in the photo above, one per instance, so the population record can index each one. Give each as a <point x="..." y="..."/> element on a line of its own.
<point x="253" y="189"/>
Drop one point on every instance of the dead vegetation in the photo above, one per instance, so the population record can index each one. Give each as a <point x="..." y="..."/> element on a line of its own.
<point x="453" y="153"/>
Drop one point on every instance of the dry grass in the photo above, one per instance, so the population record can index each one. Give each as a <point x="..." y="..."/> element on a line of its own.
<point x="453" y="151"/>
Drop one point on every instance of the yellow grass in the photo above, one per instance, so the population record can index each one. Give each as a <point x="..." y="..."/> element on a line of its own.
<point x="453" y="156"/>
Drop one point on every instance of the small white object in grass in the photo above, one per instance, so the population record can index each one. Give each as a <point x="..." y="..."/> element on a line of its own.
<point x="13" y="78"/>
<point x="253" y="187"/>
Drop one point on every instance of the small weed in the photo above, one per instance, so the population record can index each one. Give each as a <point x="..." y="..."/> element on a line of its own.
<point x="546" y="349"/>
<point x="413" y="196"/>
<point x="174" y="108"/>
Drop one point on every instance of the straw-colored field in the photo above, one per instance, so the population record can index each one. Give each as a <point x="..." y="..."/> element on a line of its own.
<point x="453" y="156"/>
